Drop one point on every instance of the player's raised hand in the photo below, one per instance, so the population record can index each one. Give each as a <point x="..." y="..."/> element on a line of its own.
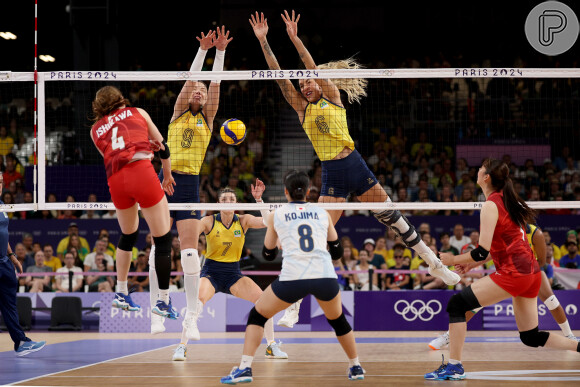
<point x="260" y="25"/>
<point x="258" y="189"/>
<point x="206" y="41"/>
<point x="291" y="23"/>
<point x="221" y="41"/>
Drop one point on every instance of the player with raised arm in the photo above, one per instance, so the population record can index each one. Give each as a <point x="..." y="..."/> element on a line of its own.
<point x="189" y="134"/>
<point x="323" y="117"/>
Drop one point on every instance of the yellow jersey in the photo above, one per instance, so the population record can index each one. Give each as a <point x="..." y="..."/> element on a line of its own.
<point x="530" y="231"/>
<point x="188" y="138"/>
<point x="225" y="244"/>
<point x="326" y="127"/>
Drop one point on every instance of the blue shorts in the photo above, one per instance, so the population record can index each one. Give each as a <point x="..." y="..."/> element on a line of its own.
<point x="222" y="275"/>
<point x="323" y="289"/>
<point x="343" y="176"/>
<point x="186" y="191"/>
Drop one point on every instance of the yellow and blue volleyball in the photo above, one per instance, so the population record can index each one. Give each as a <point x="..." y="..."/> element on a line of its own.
<point x="233" y="131"/>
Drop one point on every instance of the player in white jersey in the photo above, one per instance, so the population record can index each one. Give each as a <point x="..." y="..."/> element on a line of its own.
<point x="304" y="231"/>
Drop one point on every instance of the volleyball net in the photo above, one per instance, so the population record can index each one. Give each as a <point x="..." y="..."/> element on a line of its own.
<point x="422" y="132"/>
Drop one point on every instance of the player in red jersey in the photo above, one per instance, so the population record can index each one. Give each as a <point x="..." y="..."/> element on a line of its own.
<point x="125" y="137"/>
<point x="502" y="234"/>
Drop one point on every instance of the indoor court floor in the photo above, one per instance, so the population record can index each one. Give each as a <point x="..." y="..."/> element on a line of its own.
<point x="315" y="358"/>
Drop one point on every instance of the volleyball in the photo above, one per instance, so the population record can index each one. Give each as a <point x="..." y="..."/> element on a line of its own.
<point x="233" y="131"/>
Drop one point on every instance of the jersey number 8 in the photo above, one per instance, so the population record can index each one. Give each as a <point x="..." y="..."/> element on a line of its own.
<point x="305" y="234"/>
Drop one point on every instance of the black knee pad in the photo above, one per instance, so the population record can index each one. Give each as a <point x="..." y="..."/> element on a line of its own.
<point x="534" y="337"/>
<point x="390" y="217"/>
<point x="255" y="318"/>
<point x="340" y="325"/>
<point x="128" y="241"/>
<point x="163" y="244"/>
<point x="460" y="303"/>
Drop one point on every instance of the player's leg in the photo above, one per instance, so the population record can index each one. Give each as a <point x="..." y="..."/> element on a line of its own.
<point x="246" y="289"/>
<point x="399" y="223"/>
<point x="443" y="339"/>
<point x="157" y="322"/>
<point x="551" y="301"/>
<point x="129" y="223"/>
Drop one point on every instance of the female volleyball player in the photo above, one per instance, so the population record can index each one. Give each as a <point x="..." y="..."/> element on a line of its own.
<point x="503" y="219"/>
<point x="189" y="135"/>
<point x="304" y="231"/>
<point x="323" y="118"/>
<point x="124" y="136"/>
<point x="225" y="235"/>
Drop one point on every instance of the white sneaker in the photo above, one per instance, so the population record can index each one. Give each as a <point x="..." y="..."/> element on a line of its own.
<point x="180" y="353"/>
<point x="439" y="342"/>
<point x="572" y="337"/>
<point x="190" y="325"/>
<point x="157" y="325"/>
<point x="440" y="270"/>
<point x="273" y="351"/>
<point x="291" y="316"/>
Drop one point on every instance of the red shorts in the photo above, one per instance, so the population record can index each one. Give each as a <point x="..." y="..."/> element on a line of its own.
<point x="136" y="182"/>
<point x="525" y="286"/>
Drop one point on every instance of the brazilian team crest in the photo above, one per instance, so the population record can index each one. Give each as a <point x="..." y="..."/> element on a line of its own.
<point x="237" y="233"/>
<point x="199" y="122"/>
<point x="323" y="104"/>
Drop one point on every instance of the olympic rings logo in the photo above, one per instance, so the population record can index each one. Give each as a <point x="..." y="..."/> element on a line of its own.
<point x="418" y="309"/>
<point x="183" y="74"/>
<point x="388" y="73"/>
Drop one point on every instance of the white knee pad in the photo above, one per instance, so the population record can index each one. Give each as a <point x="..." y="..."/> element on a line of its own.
<point x="552" y="302"/>
<point x="152" y="258"/>
<point x="190" y="261"/>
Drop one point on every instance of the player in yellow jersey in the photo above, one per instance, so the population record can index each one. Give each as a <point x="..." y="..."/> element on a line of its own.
<point x="225" y="234"/>
<point x="323" y="117"/>
<point x="538" y="245"/>
<point x="188" y="137"/>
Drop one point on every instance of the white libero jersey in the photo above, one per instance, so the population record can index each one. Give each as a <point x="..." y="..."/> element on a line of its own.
<point x="303" y="232"/>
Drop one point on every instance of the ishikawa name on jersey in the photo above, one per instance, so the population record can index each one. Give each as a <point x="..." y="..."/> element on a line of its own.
<point x="303" y="232"/>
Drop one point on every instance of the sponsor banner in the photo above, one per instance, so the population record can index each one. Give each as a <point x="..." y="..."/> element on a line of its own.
<point x="212" y="317"/>
<point x="500" y="316"/>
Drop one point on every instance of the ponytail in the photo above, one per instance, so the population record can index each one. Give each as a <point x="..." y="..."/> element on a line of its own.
<point x="296" y="183"/>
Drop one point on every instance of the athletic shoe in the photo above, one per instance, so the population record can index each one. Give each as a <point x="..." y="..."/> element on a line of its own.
<point x="190" y="325"/>
<point x="238" y="376"/>
<point x="447" y="372"/>
<point x="273" y="351"/>
<point x="435" y="374"/>
<point x="164" y="310"/>
<point x="29" y="346"/>
<point x="356" y="373"/>
<point x="439" y="270"/>
<point x="124" y="301"/>
<point x="180" y="353"/>
<point x="157" y="325"/>
<point x="439" y="342"/>
<point x="572" y="337"/>
<point x="290" y="317"/>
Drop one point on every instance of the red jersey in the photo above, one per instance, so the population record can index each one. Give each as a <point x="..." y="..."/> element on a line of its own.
<point x="119" y="136"/>
<point x="510" y="249"/>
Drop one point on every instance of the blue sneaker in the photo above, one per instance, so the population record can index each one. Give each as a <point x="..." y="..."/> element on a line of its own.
<point x="447" y="372"/>
<point x="29" y="346"/>
<point x="164" y="310"/>
<point x="238" y="376"/>
<point x="125" y="302"/>
<point x="356" y="373"/>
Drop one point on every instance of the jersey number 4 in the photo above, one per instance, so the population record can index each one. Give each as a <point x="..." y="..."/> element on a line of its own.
<point x="117" y="142"/>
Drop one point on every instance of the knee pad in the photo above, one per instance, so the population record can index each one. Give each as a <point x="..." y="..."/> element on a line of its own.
<point x="340" y="325"/>
<point x="390" y="217"/>
<point x="127" y="241"/>
<point x="460" y="303"/>
<point x="163" y="244"/>
<point x="534" y="337"/>
<point x="552" y="302"/>
<point x="255" y="318"/>
<point x="152" y="258"/>
<point x="190" y="262"/>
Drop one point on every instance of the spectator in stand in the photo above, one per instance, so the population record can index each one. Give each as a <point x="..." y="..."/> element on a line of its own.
<point x="73" y="250"/>
<point x="38" y="284"/>
<point x="111" y="249"/>
<point x="560" y="162"/>
<point x="421" y="144"/>
<point x="141" y="283"/>
<point x="49" y="259"/>
<point x="343" y="279"/>
<point x="24" y="259"/>
<point x="572" y="259"/>
<point x="362" y="280"/>
<point x="458" y="240"/>
<point x="6" y="141"/>
<point x="91" y="214"/>
<point x="74" y="241"/>
<point x="381" y="248"/>
<point x="73" y="229"/>
<point x="548" y="268"/>
<point x="8" y="198"/>
<point x="27" y="242"/>
<point x="349" y="259"/>
<point x="390" y="238"/>
<point x="11" y="174"/>
<point x="111" y="214"/>
<point x="347" y="242"/>
<point x="571" y="235"/>
<point x="68" y="214"/>
<point x="376" y="260"/>
<point x="90" y="261"/>
<point x="398" y="281"/>
<point x="473" y="242"/>
<point x="63" y="283"/>
<point x="555" y="249"/>
<point x="104" y="283"/>
<point x="446" y="245"/>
